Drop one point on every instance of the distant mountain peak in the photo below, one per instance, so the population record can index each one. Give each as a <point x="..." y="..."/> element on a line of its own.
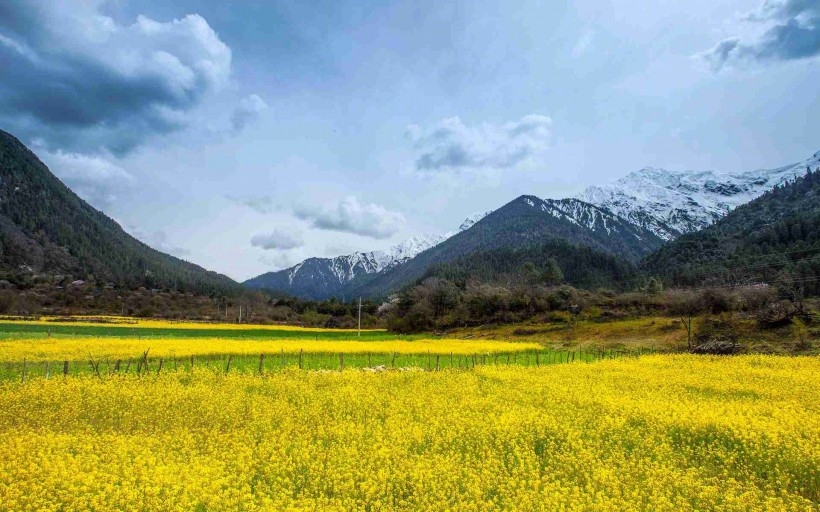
<point x="320" y="277"/>
<point x="471" y="220"/>
<point x="671" y="203"/>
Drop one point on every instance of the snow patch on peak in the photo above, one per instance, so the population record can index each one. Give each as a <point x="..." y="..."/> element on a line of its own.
<point x="670" y="203"/>
<point x="345" y="268"/>
<point x="471" y="220"/>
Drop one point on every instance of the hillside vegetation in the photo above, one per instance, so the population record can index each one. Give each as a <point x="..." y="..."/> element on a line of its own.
<point x="774" y="239"/>
<point x="48" y="232"/>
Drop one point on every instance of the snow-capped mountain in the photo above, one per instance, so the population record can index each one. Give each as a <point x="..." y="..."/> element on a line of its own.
<point x="590" y="216"/>
<point x="673" y="203"/>
<point x="525" y="223"/>
<point x="628" y="218"/>
<point x="322" y="277"/>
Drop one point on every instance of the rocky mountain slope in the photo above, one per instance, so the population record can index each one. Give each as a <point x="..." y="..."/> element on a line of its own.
<point x="774" y="239"/>
<point x="674" y="203"/>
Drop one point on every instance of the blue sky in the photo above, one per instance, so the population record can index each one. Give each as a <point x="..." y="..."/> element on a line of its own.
<point x="247" y="137"/>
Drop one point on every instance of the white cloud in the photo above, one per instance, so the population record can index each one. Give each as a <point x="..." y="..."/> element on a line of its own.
<point x="451" y="145"/>
<point x="94" y="178"/>
<point x="351" y="216"/>
<point x="278" y="239"/>
<point x="248" y="111"/>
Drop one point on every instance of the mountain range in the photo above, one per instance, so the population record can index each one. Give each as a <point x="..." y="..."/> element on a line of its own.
<point x="628" y="218"/>
<point x="671" y="204"/>
<point x="320" y="278"/>
<point x="651" y="219"/>
<point x="773" y="239"/>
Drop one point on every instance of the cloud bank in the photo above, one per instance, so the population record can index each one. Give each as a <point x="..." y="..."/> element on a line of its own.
<point x="95" y="179"/>
<point x="792" y="32"/>
<point x="451" y="145"/>
<point x="85" y="83"/>
<point x="351" y="216"/>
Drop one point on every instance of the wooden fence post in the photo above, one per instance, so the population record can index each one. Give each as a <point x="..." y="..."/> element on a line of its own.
<point x="48" y="373"/>
<point x="24" y="370"/>
<point x="228" y="366"/>
<point x="95" y="367"/>
<point x="65" y="367"/>
<point x="341" y="361"/>
<point x="300" y="357"/>
<point x="159" y="369"/>
<point x="261" y="363"/>
<point x="437" y="362"/>
<point x="537" y="359"/>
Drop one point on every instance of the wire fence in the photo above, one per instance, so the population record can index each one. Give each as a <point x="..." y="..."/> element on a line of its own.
<point x="264" y="363"/>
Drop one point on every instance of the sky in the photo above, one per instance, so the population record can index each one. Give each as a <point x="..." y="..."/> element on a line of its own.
<point x="248" y="136"/>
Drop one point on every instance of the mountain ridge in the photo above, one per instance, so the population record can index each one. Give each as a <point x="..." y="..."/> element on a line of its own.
<point x="672" y="203"/>
<point x="651" y="205"/>
<point x="774" y="238"/>
<point x="45" y="228"/>
<point x="526" y="221"/>
<point x="320" y="278"/>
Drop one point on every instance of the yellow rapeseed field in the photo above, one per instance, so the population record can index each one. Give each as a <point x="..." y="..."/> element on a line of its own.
<point x="660" y="433"/>
<point x="81" y="348"/>
<point x="150" y="323"/>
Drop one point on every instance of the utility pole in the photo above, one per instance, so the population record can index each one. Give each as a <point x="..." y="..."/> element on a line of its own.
<point x="360" y="317"/>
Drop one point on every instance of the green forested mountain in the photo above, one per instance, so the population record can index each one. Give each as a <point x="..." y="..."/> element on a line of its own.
<point x="522" y="224"/>
<point x="773" y="239"/>
<point x="552" y="263"/>
<point x="45" y="228"/>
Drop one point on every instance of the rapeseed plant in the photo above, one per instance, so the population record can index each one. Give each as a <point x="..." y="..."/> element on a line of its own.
<point x="661" y="433"/>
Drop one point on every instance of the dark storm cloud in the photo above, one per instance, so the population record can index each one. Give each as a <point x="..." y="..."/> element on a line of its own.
<point x="82" y="82"/>
<point x="793" y="33"/>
